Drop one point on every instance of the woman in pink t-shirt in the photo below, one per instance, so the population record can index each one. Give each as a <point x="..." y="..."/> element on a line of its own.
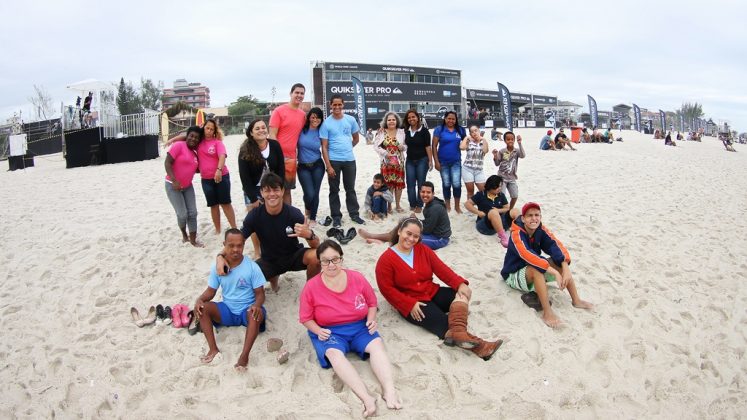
<point x="216" y="183"/>
<point x="181" y="164"/>
<point x="338" y="307"/>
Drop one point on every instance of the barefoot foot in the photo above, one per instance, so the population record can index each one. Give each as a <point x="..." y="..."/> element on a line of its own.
<point x="197" y="244"/>
<point x="241" y="364"/>
<point x="392" y="400"/>
<point x="582" y="304"/>
<point x="209" y="356"/>
<point x="369" y="406"/>
<point x="552" y="321"/>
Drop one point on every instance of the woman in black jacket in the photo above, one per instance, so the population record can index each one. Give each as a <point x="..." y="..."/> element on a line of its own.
<point x="258" y="155"/>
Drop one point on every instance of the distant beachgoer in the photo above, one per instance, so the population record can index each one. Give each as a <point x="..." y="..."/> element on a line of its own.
<point x="419" y="158"/>
<point x="547" y="143"/>
<point x="310" y="163"/>
<point x="181" y="164"/>
<point x="447" y="158"/>
<point x="404" y="274"/>
<point x="216" y="182"/>
<point x="243" y="291"/>
<point x="668" y="140"/>
<point x="472" y="168"/>
<point x="389" y="143"/>
<point x="585" y="136"/>
<point x="436" y="223"/>
<point x="524" y="268"/>
<point x="507" y="161"/>
<point x="369" y="136"/>
<point x="338" y="307"/>
<point x="286" y="123"/>
<point x="561" y="140"/>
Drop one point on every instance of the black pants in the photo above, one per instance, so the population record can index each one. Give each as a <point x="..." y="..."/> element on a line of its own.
<point x="346" y="171"/>
<point x="436" y="319"/>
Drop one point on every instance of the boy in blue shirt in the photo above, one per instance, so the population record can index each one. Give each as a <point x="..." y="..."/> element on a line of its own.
<point x="243" y="296"/>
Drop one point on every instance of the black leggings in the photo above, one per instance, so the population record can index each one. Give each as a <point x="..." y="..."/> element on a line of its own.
<point x="436" y="320"/>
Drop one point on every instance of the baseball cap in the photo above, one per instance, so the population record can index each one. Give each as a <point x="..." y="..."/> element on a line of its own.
<point x="549" y="132"/>
<point x="528" y="206"/>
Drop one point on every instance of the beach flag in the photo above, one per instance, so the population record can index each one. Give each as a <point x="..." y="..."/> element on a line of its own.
<point x="663" y="120"/>
<point x="593" y="112"/>
<point x="200" y="118"/>
<point x="505" y="96"/>
<point x="359" y="96"/>
<point x="637" y="117"/>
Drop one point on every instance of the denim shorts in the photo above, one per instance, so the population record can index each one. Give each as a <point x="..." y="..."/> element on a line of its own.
<point x="219" y="193"/>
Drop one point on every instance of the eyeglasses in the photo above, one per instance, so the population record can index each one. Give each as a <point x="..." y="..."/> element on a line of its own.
<point x="335" y="261"/>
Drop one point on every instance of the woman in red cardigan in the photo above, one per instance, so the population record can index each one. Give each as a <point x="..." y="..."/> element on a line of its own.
<point x="404" y="274"/>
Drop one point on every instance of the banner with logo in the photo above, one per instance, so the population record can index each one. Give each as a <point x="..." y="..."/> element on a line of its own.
<point x="593" y="112"/>
<point x="505" y="96"/>
<point x="663" y="120"/>
<point x="550" y="118"/>
<point x="359" y="98"/>
<point x="637" y="117"/>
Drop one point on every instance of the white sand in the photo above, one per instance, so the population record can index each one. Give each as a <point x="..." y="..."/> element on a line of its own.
<point x="657" y="236"/>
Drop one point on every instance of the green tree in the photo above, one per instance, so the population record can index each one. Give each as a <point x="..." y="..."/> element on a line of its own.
<point x="150" y="94"/>
<point x="244" y="105"/>
<point x="127" y="99"/>
<point x="691" y="111"/>
<point x="178" y="107"/>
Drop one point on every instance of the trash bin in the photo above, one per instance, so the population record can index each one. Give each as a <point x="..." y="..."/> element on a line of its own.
<point x="576" y="134"/>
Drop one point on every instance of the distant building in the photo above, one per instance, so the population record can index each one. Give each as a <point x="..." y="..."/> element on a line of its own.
<point x="568" y="110"/>
<point x="194" y="94"/>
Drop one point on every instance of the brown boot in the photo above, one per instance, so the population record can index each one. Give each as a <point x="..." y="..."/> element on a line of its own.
<point x="457" y="334"/>
<point x="485" y="349"/>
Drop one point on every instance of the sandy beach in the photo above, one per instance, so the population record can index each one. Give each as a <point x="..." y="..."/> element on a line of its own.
<point x="657" y="236"/>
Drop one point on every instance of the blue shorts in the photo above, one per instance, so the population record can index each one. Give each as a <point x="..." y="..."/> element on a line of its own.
<point x="248" y="200"/>
<point x="219" y="193"/>
<point x="483" y="227"/>
<point x="230" y="319"/>
<point x="346" y="337"/>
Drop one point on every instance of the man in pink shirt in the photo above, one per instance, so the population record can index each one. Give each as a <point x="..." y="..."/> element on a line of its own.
<point x="286" y="124"/>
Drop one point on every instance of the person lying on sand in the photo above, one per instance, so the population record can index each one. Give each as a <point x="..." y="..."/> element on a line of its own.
<point x="524" y="268"/>
<point x="243" y="289"/>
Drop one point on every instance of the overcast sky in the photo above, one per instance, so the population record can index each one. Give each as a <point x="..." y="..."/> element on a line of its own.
<point x="642" y="52"/>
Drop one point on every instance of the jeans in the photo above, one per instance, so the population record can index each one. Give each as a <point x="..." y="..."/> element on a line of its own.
<point x="415" y="172"/>
<point x="310" y="177"/>
<point x="378" y="205"/>
<point x="433" y="242"/>
<point x="185" y="206"/>
<point x="345" y="170"/>
<point x="451" y="179"/>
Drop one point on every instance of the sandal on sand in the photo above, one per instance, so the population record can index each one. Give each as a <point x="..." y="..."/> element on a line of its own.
<point x="136" y="318"/>
<point x="532" y="300"/>
<point x="160" y="316"/>
<point x="283" y="356"/>
<point x="167" y="315"/>
<point x="274" y="344"/>
<point x="194" y="323"/>
<point x="327" y="221"/>
<point x="176" y="315"/>
<point x="151" y="318"/>
<point x="349" y="236"/>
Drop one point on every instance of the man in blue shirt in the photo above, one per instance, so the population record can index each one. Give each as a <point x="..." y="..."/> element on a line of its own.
<point x="339" y="134"/>
<point x="547" y="143"/>
<point x="243" y="296"/>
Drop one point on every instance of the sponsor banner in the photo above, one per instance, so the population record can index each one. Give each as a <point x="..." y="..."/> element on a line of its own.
<point x="397" y="92"/>
<point x="549" y="124"/>
<point x="550" y="118"/>
<point x="663" y="120"/>
<point x="637" y="117"/>
<point x="390" y="69"/>
<point x="359" y="97"/>
<point x="544" y="100"/>
<point x="522" y="124"/>
<point x="483" y="95"/>
<point x="531" y="123"/>
<point x="506" y="105"/>
<point x="521" y="98"/>
<point x="593" y="111"/>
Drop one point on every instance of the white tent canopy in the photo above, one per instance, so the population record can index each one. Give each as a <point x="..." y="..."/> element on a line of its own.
<point x="92" y="85"/>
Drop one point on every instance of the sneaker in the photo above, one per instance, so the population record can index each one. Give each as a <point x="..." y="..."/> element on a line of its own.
<point x="357" y="219"/>
<point x="504" y="239"/>
<point x="337" y="222"/>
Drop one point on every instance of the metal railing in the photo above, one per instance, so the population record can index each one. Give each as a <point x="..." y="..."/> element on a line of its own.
<point x="142" y="124"/>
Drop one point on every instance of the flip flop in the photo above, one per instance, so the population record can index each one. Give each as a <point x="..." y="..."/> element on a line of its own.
<point x="167" y="315"/>
<point x="185" y="316"/>
<point x="532" y="300"/>
<point x="194" y="323"/>
<point x="327" y="221"/>
<point x="351" y="233"/>
<point x="334" y="232"/>
<point x="151" y="317"/>
<point x="274" y="344"/>
<point x="160" y="316"/>
<point x="136" y="318"/>
<point x="176" y="315"/>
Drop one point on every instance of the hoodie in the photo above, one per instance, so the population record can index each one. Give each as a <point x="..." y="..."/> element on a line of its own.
<point x="526" y="250"/>
<point x="436" y="220"/>
<point x="369" y="196"/>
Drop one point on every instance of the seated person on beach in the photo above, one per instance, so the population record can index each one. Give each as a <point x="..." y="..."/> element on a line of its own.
<point x="378" y="199"/>
<point x="668" y="140"/>
<point x="243" y="290"/>
<point x="561" y="140"/>
<point x="679" y="136"/>
<point x="404" y="274"/>
<point x="495" y="134"/>
<point x="525" y="270"/>
<point x="585" y="136"/>
<point x="492" y="210"/>
<point x="547" y="143"/>
<point x="596" y="136"/>
<point x="436" y="224"/>
<point x="278" y="227"/>
<point x="338" y="307"/>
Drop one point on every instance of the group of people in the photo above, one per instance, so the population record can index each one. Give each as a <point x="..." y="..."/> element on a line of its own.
<point x="560" y="142"/>
<point x="338" y="306"/>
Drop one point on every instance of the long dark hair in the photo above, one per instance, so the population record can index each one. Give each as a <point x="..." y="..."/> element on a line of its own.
<point x="459" y="129"/>
<point x="313" y="111"/>
<point x="394" y="234"/>
<point x="249" y="150"/>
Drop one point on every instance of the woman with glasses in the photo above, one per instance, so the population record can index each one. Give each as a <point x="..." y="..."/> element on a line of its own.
<point x="405" y="273"/>
<point x="447" y="158"/>
<point x="338" y="307"/>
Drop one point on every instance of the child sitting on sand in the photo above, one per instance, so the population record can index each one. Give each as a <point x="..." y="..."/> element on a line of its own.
<point x="378" y="199"/>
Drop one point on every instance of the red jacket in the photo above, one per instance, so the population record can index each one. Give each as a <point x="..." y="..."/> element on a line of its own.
<point x="402" y="286"/>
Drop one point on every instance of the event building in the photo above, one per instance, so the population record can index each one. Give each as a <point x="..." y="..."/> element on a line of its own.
<point x="194" y="94"/>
